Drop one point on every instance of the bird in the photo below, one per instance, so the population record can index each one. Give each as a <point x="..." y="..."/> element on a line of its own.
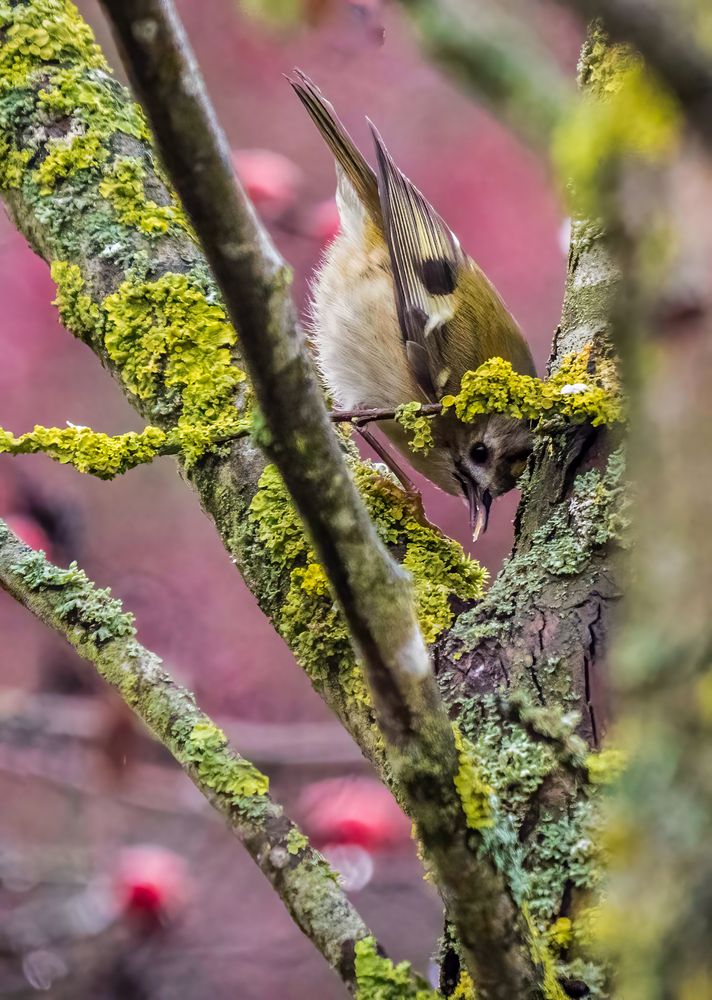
<point x="399" y="312"/>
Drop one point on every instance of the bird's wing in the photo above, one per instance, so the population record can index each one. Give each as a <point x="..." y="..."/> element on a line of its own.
<point x="426" y="258"/>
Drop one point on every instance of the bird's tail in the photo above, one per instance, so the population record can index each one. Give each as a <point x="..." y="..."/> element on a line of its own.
<point x="357" y="170"/>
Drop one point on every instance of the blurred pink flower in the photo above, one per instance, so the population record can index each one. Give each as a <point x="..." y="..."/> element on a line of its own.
<point x="357" y="811"/>
<point x="271" y="180"/>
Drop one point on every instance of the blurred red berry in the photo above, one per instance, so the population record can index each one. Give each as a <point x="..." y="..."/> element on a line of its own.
<point x="151" y="883"/>
<point x="353" y="811"/>
<point x="324" y="222"/>
<point x="271" y="180"/>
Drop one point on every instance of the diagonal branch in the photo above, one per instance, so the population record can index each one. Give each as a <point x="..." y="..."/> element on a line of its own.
<point x="374" y="593"/>
<point x="668" y="42"/>
<point x="484" y="50"/>
<point x="95" y="624"/>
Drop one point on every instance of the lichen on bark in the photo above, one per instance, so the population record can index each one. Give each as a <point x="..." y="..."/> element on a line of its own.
<point x="130" y="274"/>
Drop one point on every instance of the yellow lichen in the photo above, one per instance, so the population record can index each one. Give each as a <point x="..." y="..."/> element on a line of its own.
<point x="123" y="187"/>
<point x="623" y="113"/>
<point x="377" y="978"/>
<point x="573" y="392"/>
<point x="475" y="794"/>
<point x="88" y="451"/>
<point x="410" y="417"/>
<point x="169" y="340"/>
<point x="606" y="766"/>
<point x="465" y="989"/>
<point x="41" y="32"/>
<point x="65" y="157"/>
<point x="296" y="841"/>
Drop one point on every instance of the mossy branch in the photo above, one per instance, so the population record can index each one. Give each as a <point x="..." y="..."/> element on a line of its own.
<point x="494" y="387"/>
<point x="142" y="297"/>
<point x="374" y="594"/>
<point x="96" y="625"/>
<point x="486" y="51"/>
<point x="671" y="44"/>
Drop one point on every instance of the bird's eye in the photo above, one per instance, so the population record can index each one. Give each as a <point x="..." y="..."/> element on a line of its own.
<point x="479" y="453"/>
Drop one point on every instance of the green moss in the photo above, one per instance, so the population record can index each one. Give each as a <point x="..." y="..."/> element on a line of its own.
<point x="377" y="978"/>
<point x="420" y="430"/>
<point x="88" y="451"/>
<point x="123" y="187"/>
<point x="624" y="113"/>
<point x="204" y="747"/>
<point x="296" y="840"/>
<point x="306" y="614"/>
<point x="475" y="794"/>
<point x="573" y="393"/>
<point x="80" y="603"/>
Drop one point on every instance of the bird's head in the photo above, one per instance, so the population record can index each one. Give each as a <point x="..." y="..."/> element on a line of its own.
<point x="488" y="457"/>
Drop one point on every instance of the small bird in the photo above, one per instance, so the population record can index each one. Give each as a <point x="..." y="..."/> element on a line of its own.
<point x="400" y="313"/>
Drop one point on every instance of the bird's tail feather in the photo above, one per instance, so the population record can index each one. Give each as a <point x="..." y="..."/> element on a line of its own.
<point x="339" y="141"/>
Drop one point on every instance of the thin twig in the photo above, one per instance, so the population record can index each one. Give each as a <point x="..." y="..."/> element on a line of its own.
<point x="366" y="415"/>
<point x="71" y="605"/>
<point x="669" y="44"/>
<point x="373" y="591"/>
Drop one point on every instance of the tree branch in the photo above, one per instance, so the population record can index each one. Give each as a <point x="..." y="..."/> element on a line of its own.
<point x="374" y="594"/>
<point x="669" y="46"/>
<point x="484" y="50"/>
<point x="95" y="624"/>
<point x="134" y="286"/>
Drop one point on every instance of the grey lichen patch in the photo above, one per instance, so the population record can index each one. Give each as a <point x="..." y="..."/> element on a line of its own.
<point x="75" y="599"/>
<point x="595" y="515"/>
<point x="543" y="833"/>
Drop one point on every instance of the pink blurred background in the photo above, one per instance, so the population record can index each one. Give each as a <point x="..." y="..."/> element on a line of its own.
<point x="78" y="782"/>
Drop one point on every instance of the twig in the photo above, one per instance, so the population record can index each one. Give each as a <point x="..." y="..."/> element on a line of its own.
<point x="372" y="590"/>
<point x="669" y="46"/>
<point x="71" y="605"/>
<point x="491" y="59"/>
<point x="366" y="415"/>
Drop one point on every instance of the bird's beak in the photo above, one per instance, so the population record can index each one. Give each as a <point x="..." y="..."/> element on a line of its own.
<point x="479" y="505"/>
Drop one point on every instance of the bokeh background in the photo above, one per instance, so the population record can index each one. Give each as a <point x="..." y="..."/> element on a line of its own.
<point x="115" y="878"/>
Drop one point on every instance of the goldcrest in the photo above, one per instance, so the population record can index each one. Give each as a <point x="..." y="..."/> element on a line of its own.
<point x="400" y="313"/>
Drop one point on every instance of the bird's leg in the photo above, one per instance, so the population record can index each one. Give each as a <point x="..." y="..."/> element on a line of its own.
<point x="413" y="494"/>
